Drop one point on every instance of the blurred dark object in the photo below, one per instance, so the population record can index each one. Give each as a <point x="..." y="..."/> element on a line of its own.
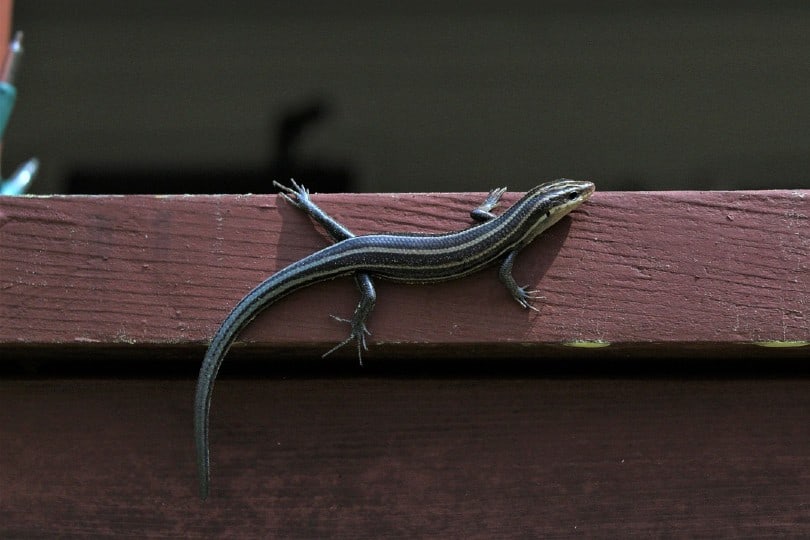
<point x="319" y="175"/>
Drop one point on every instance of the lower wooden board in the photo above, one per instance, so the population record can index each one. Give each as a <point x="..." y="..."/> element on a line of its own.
<point x="408" y="457"/>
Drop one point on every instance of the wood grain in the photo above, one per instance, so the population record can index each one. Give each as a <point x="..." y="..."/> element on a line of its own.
<point x="408" y="451"/>
<point x="408" y="458"/>
<point x="669" y="272"/>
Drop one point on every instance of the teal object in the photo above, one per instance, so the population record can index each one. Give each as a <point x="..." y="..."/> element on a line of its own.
<point x="17" y="183"/>
<point x="8" y="95"/>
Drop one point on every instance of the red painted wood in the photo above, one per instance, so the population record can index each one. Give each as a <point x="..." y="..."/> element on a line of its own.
<point x="5" y="25"/>
<point x="408" y="458"/>
<point x="371" y="457"/>
<point x="663" y="271"/>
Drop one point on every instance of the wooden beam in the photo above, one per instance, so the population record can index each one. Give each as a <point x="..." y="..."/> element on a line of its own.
<point x="667" y="272"/>
<point x="366" y="457"/>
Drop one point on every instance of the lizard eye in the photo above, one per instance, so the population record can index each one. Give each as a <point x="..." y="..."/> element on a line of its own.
<point x="573" y="195"/>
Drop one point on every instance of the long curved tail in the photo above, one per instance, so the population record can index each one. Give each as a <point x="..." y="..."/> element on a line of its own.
<point x="205" y="386"/>
<point x="284" y="282"/>
<point x="264" y="295"/>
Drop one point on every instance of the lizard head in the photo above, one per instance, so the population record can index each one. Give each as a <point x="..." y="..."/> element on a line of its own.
<point x="551" y="201"/>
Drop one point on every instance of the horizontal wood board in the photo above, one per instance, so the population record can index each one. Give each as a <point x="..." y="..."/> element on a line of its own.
<point x="408" y="458"/>
<point x="663" y="271"/>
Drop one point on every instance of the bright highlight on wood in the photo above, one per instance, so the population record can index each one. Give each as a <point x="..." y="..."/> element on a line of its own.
<point x="587" y="344"/>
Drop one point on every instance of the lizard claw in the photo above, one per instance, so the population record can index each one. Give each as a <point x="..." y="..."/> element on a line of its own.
<point x="525" y="296"/>
<point x="297" y="195"/>
<point x="358" y="333"/>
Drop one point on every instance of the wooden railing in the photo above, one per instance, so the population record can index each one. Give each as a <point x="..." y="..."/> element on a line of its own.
<point x="708" y="273"/>
<point x="102" y="297"/>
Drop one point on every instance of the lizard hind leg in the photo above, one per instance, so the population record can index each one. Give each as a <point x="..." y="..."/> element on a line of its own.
<point x="368" y="297"/>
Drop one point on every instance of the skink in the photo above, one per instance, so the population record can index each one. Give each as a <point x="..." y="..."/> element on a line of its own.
<point x="408" y="257"/>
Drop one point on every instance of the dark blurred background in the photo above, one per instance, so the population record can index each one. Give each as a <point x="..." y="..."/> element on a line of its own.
<point x="221" y="97"/>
